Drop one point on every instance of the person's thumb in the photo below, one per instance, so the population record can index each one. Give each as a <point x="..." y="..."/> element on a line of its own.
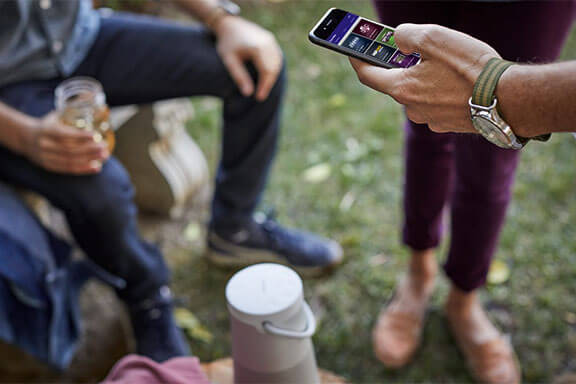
<point x="414" y="38"/>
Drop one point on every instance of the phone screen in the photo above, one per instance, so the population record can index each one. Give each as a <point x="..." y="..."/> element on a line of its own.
<point x="366" y="38"/>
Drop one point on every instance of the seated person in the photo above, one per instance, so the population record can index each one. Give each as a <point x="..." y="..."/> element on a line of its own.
<point x="142" y="60"/>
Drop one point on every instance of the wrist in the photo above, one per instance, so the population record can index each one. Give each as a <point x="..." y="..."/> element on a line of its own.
<point x="220" y="26"/>
<point x="26" y="135"/>
<point x="473" y="70"/>
<point x="510" y="93"/>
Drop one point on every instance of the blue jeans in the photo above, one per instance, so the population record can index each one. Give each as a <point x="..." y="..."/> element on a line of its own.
<point x="142" y="60"/>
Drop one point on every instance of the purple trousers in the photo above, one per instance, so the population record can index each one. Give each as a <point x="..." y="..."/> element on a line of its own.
<point x="465" y="172"/>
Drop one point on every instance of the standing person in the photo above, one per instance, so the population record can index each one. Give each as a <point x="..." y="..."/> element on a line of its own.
<point x="471" y="176"/>
<point x="141" y="60"/>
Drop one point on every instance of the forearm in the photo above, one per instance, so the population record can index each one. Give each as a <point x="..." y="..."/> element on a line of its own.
<point x="539" y="99"/>
<point x="200" y="9"/>
<point x="15" y="128"/>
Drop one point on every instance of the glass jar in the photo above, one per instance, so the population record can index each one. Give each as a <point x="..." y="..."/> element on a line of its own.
<point x="81" y="103"/>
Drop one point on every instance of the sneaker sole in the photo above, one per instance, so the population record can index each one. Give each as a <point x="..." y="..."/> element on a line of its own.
<point x="244" y="258"/>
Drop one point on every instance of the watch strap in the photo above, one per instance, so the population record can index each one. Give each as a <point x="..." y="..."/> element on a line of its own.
<point x="485" y="87"/>
<point x="524" y="140"/>
<point x="483" y="93"/>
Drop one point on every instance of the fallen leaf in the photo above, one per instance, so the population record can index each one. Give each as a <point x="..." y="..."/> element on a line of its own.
<point x="337" y="100"/>
<point x="499" y="272"/>
<point x="347" y="201"/>
<point x="192" y="326"/>
<point x="317" y="173"/>
<point x="379" y="259"/>
<point x="192" y="232"/>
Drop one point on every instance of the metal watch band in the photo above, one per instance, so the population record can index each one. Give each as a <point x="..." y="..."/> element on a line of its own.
<point x="483" y="93"/>
<point x="224" y="8"/>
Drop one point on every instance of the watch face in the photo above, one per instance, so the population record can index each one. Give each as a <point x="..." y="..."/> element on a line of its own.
<point x="491" y="132"/>
<point x="230" y="7"/>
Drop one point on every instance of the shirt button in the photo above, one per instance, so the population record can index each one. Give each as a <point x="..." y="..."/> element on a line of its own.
<point x="45" y="4"/>
<point x="57" y="46"/>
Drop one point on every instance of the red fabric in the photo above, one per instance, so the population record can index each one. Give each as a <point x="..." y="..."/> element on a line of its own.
<point x="134" y="369"/>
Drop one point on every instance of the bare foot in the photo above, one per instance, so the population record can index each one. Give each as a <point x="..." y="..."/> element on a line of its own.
<point x="489" y="354"/>
<point x="396" y="335"/>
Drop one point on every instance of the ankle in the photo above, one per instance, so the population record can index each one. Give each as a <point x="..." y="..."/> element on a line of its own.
<point x="161" y="297"/>
<point x="461" y="302"/>
<point x="423" y="263"/>
<point x="423" y="268"/>
<point x="465" y="311"/>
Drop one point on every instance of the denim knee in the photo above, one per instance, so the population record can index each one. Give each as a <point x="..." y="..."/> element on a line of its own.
<point x="107" y="196"/>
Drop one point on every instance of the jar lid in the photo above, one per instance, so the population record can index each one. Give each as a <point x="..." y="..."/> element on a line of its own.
<point x="264" y="291"/>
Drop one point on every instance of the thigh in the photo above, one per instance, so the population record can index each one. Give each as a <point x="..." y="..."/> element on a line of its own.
<point x="141" y="59"/>
<point x="484" y="172"/>
<point x="525" y="31"/>
<point x="36" y="98"/>
<point x="394" y="12"/>
<point x="99" y="194"/>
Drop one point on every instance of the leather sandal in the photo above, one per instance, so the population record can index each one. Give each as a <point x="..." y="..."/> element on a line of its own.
<point x="492" y="362"/>
<point x="397" y="335"/>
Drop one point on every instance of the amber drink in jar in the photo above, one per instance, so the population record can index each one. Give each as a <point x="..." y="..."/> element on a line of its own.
<point x="81" y="103"/>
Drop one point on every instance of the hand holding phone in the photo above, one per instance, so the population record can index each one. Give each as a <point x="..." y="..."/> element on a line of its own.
<point x="436" y="91"/>
<point x="358" y="37"/>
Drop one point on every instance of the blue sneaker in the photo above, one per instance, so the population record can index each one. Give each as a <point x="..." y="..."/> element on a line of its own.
<point x="264" y="240"/>
<point x="155" y="331"/>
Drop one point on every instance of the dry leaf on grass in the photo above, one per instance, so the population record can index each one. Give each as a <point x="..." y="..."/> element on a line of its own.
<point x="192" y="326"/>
<point x="317" y="173"/>
<point x="499" y="272"/>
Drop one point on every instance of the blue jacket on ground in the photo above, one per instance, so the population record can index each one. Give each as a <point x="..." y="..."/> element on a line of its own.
<point x="39" y="285"/>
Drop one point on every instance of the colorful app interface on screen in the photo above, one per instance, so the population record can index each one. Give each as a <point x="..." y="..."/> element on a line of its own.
<point x="369" y="38"/>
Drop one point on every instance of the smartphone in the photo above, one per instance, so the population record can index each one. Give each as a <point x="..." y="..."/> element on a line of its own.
<point x="361" y="38"/>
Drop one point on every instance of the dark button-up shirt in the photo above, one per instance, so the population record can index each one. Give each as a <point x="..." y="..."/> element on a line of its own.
<point x="42" y="39"/>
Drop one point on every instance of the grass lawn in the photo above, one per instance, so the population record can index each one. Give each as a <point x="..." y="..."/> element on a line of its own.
<point x="331" y="119"/>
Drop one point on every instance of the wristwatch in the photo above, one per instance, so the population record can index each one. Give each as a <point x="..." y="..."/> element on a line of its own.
<point x="485" y="117"/>
<point x="224" y="7"/>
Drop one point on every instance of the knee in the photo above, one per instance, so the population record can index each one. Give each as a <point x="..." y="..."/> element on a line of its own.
<point x="491" y="189"/>
<point x="278" y="88"/>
